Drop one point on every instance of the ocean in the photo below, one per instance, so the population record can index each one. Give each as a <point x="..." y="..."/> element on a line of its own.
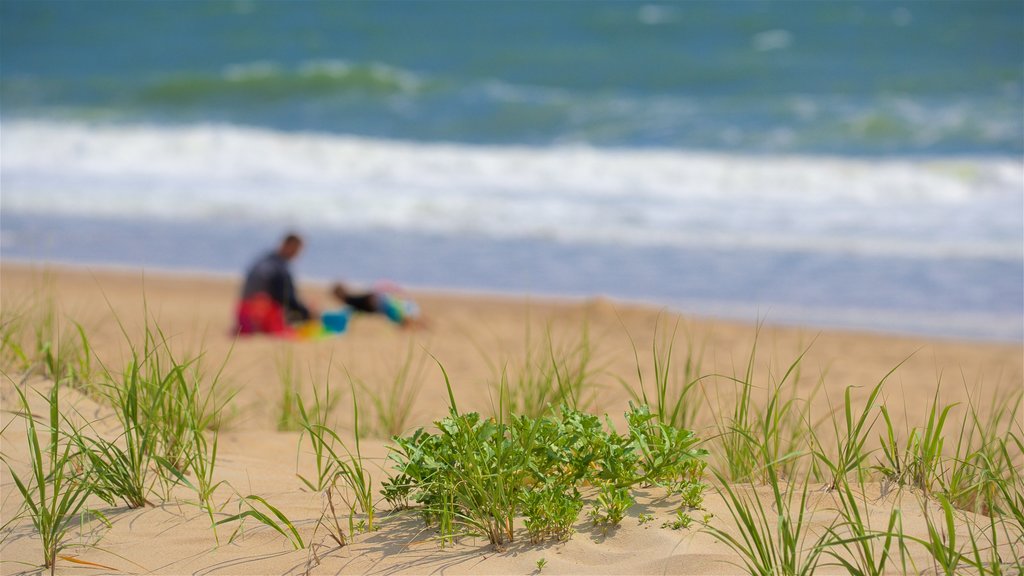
<point x="835" y="164"/>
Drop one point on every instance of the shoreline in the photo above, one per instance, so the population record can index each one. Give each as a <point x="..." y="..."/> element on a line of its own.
<point x="724" y="312"/>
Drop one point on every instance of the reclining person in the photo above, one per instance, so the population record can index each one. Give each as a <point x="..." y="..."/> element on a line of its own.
<point x="401" y="311"/>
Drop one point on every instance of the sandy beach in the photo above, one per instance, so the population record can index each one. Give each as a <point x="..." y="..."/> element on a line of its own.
<point x="474" y="338"/>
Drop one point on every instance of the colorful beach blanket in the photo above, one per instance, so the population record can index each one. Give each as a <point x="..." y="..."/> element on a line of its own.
<point x="260" y="314"/>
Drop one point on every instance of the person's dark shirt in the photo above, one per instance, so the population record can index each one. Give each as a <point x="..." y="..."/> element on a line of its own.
<point x="270" y="275"/>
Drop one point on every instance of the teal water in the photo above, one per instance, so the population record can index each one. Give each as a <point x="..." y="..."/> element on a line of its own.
<point x="818" y="77"/>
<point x="835" y="163"/>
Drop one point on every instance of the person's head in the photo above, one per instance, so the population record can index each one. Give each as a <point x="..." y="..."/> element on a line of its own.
<point x="290" y="247"/>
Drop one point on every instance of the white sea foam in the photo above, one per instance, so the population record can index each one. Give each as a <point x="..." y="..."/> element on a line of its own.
<point x="967" y="207"/>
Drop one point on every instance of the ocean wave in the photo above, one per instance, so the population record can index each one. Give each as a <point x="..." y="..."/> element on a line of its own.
<point x="940" y="207"/>
<point x="376" y="99"/>
<point x="262" y="80"/>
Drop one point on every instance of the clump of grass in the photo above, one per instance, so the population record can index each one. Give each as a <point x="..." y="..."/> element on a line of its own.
<point x="551" y="373"/>
<point x="340" y="471"/>
<point x="774" y="536"/>
<point x="292" y="405"/>
<point x="850" y="438"/>
<point x="162" y="412"/>
<point x="755" y="438"/>
<point x="393" y="400"/>
<point x="979" y="462"/>
<point x="54" y="349"/>
<point x="55" y="491"/>
<point x="13" y="320"/>
<point x="288" y="418"/>
<point x="770" y="443"/>
<point x="948" y="557"/>
<point x="918" y="463"/>
<point x="854" y="544"/>
<point x="200" y="463"/>
<point x="313" y="425"/>
<point x="355" y="474"/>
<point x="674" y="397"/>
<point x="257" y="508"/>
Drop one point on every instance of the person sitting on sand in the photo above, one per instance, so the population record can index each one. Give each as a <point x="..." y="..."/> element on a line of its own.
<point x="269" y="302"/>
<point x="401" y="311"/>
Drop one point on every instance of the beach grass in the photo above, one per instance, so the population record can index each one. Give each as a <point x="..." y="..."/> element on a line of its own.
<point x="35" y="338"/>
<point x="256" y="507"/>
<point x="796" y="491"/>
<point x="674" y="397"/>
<point x="393" y="399"/>
<point x="854" y="544"/>
<point x="53" y="492"/>
<point x="550" y="373"/>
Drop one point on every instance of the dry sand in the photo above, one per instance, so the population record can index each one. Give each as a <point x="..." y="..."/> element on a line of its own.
<point x="473" y="337"/>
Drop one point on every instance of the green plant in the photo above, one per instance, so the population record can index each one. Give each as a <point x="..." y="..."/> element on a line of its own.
<point x="549" y="375"/>
<point x="55" y="490"/>
<point x="994" y="546"/>
<point x="13" y="319"/>
<point x="201" y="463"/>
<point x="919" y="462"/>
<point x="674" y="398"/>
<point x="897" y="462"/>
<point x="550" y="511"/>
<point x="393" y="401"/>
<point x="984" y="554"/>
<point x="257" y="508"/>
<point x="336" y="463"/>
<point x="541" y="563"/>
<point x="1011" y="489"/>
<point x="287" y="419"/>
<point x="162" y="411"/>
<point x="60" y="354"/>
<point x="978" y="465"/>
<point x="313" y="424"/>
<point x="947" y="556"/>
<point x="683" y="520"/>
<point x="775" y="435"/>
<point x="852" y="542"/>
<point x="123" y="467"/>
<point x="928" y="449"/>
<point x="668" y="456"/>
<point x="850" y="439"/>
<point x="353" y="472"/>
<point x="488" y="472"/>
<point x="611" y="505"/>
<point x="478" y="474"/>
<point x="773" y="539"/>
<point x="33" y="338"/>
<point x="692" y="494"/>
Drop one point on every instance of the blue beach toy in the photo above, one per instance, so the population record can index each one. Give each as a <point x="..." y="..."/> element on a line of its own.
<point x="336" y="321"/>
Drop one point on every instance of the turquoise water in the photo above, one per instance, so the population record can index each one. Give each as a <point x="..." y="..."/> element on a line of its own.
<point x="838" y="163"/>
<point x="807" y="77"/>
